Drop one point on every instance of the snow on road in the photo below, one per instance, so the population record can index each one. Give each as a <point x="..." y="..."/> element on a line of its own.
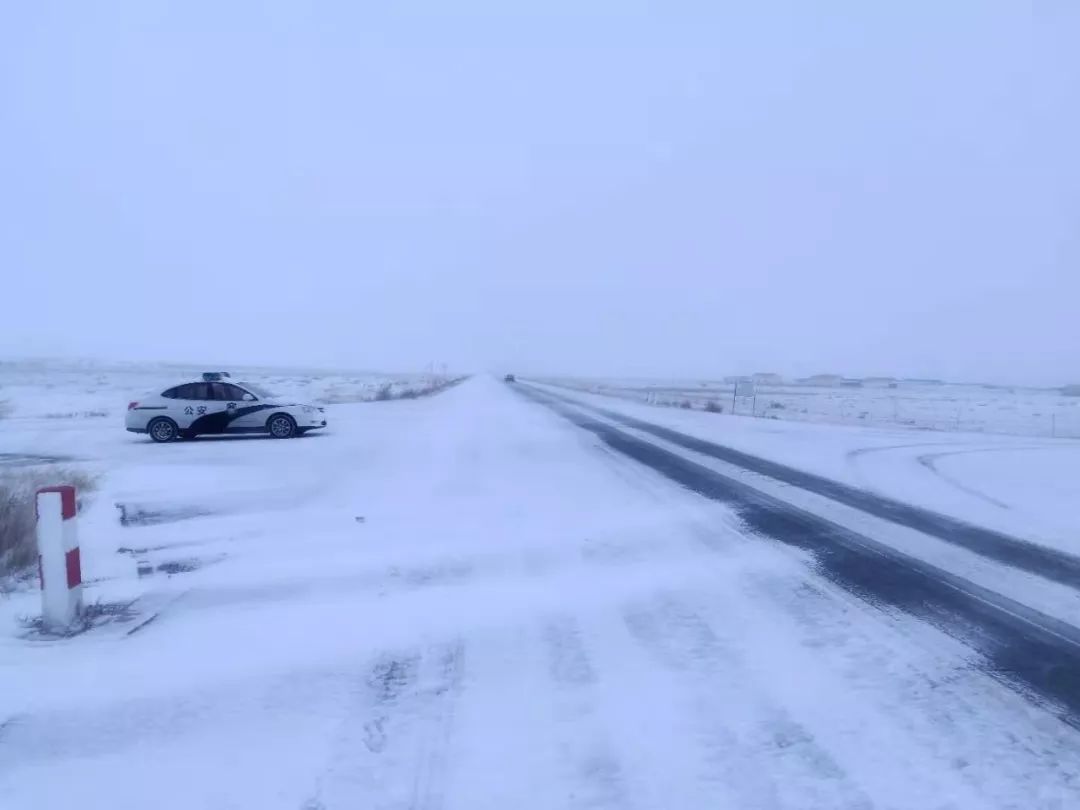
<point x="467" y="602"/>
<point x="1020" y="485"/>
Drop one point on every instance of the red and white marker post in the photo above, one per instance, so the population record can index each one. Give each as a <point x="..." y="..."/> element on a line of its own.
<point x="58" y="557"/>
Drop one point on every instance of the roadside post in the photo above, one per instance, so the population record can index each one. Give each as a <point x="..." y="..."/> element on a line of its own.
<point x="59" y="564"/>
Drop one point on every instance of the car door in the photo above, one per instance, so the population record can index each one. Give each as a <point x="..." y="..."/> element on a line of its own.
<point x="173" y="404"/>
<point x="206" y="413"/>
<point x="183" y="400"/>
<point x="244" y="408"/>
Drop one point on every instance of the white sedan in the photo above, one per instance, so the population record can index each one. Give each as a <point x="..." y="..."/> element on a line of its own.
<point x="217" y="405"/>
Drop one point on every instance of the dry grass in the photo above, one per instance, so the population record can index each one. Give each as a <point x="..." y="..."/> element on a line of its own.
<point x="18" y="544"/>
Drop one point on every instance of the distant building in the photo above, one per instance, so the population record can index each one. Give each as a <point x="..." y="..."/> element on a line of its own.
<point x="823" y="380"/>
<point x="921" y="381"/>
<point x="1071" y="390"/>
<point x="767" y="378"/>
<point x="735" y="378"/>
<point x="879" y="382"/>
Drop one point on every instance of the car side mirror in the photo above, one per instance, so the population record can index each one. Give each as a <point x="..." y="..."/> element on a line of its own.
<point x="248" y="398"/>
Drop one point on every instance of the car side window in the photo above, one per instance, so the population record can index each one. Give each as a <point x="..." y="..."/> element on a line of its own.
<point x="220" y="392"/>
<point x="173" y="393"/>
<point x="192" y="391"/>
<point x="235" y="392"/>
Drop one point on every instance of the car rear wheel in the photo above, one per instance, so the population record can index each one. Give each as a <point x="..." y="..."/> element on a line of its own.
<point x="162" y="429"/>
<point x="281" y="426"/>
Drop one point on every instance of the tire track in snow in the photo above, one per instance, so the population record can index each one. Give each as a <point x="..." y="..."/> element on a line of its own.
<point x="853" y="457"/>
<point x="859" y="452"/>
<point x="569" y="663"/>
<point x="388" y="679"/>
<point x="595" y="773"/>
<point x="428" y="787"/>
<point x="530" y="732"/>
<point x="391" y="747"/>
<point x="654" y="727"/>
<point x="929" y="461"/>
<point x="766" y="757"/>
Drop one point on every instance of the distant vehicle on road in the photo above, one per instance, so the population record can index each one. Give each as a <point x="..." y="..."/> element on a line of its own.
<point x="216" y="405"/>
<point x="509" y="378"/>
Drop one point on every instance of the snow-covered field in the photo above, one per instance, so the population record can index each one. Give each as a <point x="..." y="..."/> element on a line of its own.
<point x="465" y="601"/>
<point x="66" y="392"/>
<point x="938" y="407"/>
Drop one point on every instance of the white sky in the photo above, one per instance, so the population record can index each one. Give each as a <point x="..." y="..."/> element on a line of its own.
<point x="665" y="188"/>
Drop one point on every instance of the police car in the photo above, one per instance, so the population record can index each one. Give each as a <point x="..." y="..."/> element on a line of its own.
<point x="217" y="405"/>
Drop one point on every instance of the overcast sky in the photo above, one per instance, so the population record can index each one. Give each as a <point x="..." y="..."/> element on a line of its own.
<point x="612" y="188"/>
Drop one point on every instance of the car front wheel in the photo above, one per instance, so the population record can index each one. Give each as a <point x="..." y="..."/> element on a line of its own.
<point x="281" y="426"/>
<point x="162" y="429"/>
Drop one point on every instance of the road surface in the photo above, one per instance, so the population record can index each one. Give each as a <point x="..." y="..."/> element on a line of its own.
<point x="502" y="598"/>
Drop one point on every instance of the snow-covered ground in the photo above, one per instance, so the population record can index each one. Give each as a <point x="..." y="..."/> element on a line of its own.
<point x="948" y="407"/>
<point x="466" y="602"/>
<point x="41" y="394"/>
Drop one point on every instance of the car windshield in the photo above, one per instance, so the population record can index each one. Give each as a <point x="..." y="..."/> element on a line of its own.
<point x="258" y="391"/>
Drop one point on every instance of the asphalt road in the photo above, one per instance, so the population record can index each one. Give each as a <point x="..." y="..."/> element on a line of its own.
<point x="1031" y="651"/>
<point x="1013" y="551"/>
